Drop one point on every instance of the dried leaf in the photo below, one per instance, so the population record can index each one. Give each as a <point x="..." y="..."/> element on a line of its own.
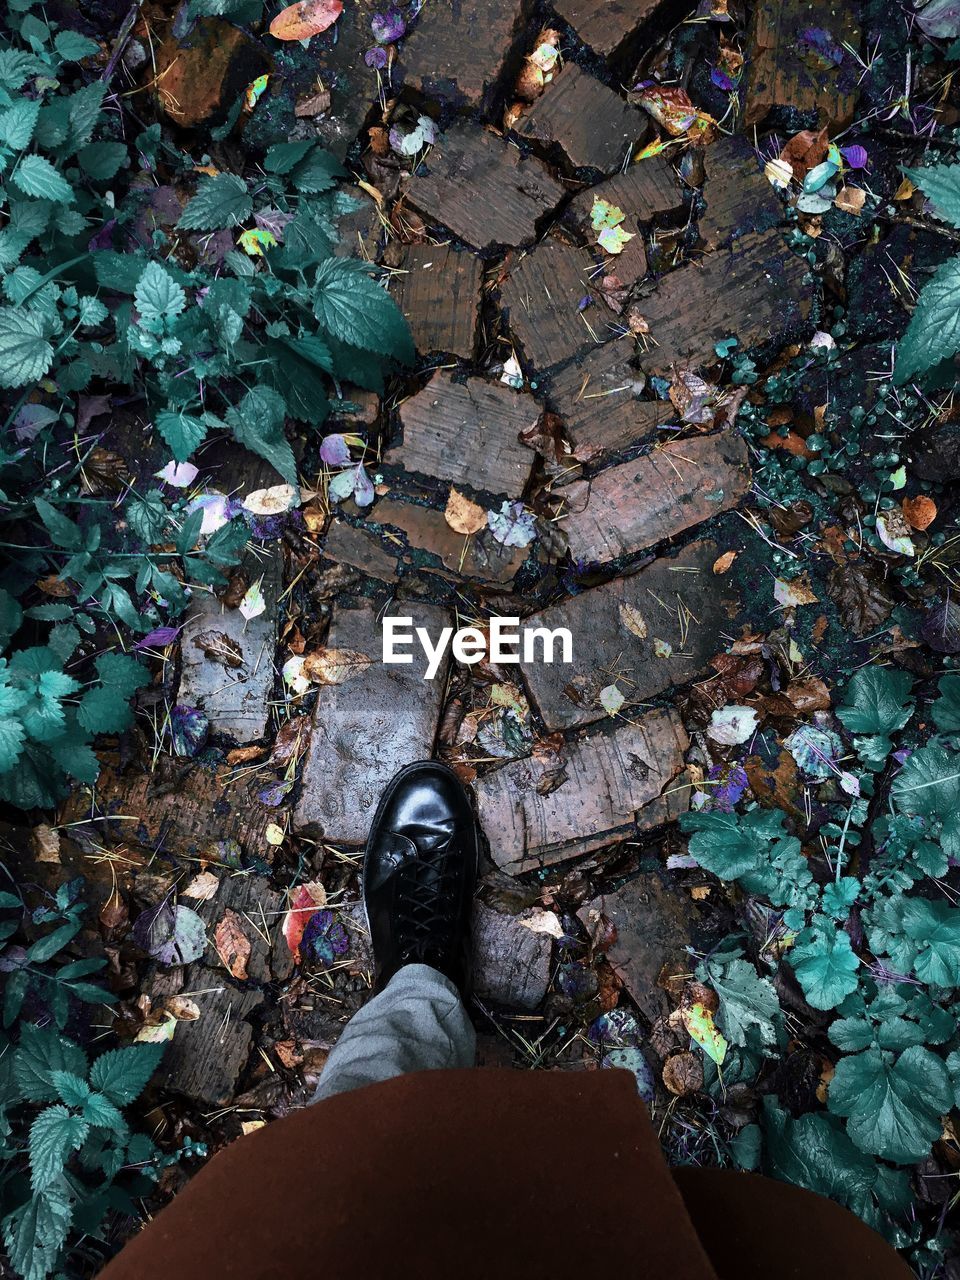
<point x="202" y="887"/>
<point x="633" y="620"/>
<point x="850" y="200"/>
<point x="540" y="921"/>
<point x="46" y="843"/>
<point x="232" y="944"/>
<point x="307" y="898"/>
<point x="333" y="666"/>
<point x="305" y="19"/>
<point x="683" y="1074"/>
<point x="271" y="502"/>
<point x="723" y="563"/>
<point x="464" y="516"/>
<point x="793" y="592"/>
<point x="219" y="647"/>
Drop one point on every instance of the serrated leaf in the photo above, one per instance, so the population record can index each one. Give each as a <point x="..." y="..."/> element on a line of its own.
<point x="221" y="201"/>
<point x="157" y="295"/>
<point x="121" y="1075"/>
<point x="100" y="1112"/>
<point x="53" y="1135"/>
<point x="25" y="353"/>
<point x="893" y="1106"/>
<point x="36" y="176"/>
<point x="181" y="432"/>
<point x="749" y="1008"/>
<point x="946" y="709"/>
<point x="358" y="311"/>
<point x="940" y="183"/>
<point x="72" y="46"/>
<point x="18" y="122"/>
<point x="73" y="1089"/>
<point x="42" y="1051"/>
<point x="257" y="423"/>
<point x="85" y="106"/>
<point x="933" y="333"/>
<point x="35" y="1233"/>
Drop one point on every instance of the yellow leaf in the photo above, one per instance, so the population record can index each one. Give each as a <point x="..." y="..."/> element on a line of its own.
<point x="700" y="1026"/>
<point x="464" y="516"/>
<point x="633" y="620"/>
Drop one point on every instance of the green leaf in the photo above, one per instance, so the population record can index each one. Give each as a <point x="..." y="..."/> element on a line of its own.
<point x="123" y="674"/>
<point x="42" y="1051"/>
<point x="101" y="160"/>
<point x="18" y="122"/>
<point x="100" y="1112"/>
<point x="157" y="295"/>
<point x="48" y="946"/>
<point x="940" y="183"/>
<point x="946" y="709"/>
<point x="181" y="432"/>
<point x="933" y="333"/>
<point x="814" y="1152"/>
<point x="75" y="757"/>
<point x="53" y="1135"/>
<point x="749" y="1009"/>
<point x="876" y="701"/>
<point x="826" y="967"/>
<point x="121" y="1075"/>
<point x="257" y="423"/>
<point x="934" y="927"/>
<point x="893" y="1105"/>
<point x="282" y="156"/>
<point x="85" y="108"/>
<point x="35" y="1233"/>
<point x="929" y="783"/>
<point x="25" y="353"/>
<point x="72" y="46"/>
<point x="221" y="201"/>
<point x="36" y="176"/>
<point x="358" y="311"/>
<point x="73" y="1089"/>
<point x="318" y="172"/>
<point x="104" y="711"/>
<point x="12" y="735"/>
<point x="61" y="528"/>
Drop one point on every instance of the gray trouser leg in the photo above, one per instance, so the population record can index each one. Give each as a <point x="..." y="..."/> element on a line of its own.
<point x="417" y="1023"/>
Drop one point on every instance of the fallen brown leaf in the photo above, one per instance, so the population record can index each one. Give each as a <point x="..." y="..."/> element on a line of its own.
<point x="919" y="512"/>
<point x="232" y="944"/>
<point x="464" y="516"/>
<point x="723" y="563"/>
<point x="305" y="19"/>
<point x="202" y="887"/>
<point x="334" y="666"/>
<point x="683" y="1074"/>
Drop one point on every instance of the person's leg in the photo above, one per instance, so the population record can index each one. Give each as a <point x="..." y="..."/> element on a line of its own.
<point x="419" y="875"/>
<point x="417" y="1023"/>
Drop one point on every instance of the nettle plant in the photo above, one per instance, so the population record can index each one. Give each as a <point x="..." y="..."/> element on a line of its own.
<point x="933" y="334"/>
<point x="876" y="946"/>
<point x="272" y="332"/>
<point x="68" y="1157"/>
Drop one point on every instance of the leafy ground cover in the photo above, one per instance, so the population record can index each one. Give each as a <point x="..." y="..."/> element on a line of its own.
<point x="180" y="299"/>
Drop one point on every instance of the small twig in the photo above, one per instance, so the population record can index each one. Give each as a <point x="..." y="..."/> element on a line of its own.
<point x="123" y="35"/>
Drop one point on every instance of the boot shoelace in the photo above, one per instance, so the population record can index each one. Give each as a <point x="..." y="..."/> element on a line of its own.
<point x="426" y="904"/>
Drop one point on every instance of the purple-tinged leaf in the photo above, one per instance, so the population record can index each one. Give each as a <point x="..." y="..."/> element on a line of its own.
<point x="189" y="728"/>
<point x="158" y="639"/>
<point x="335" y="451"/>
<point x="388" y="26"/>
<point x="376" y="57"/>
<point x="172" y="935"/>
<point x="512" y="525"/>
<point x="363" y="491"/>
<point x="722" y="81"/>
<point x="855" y="156"/>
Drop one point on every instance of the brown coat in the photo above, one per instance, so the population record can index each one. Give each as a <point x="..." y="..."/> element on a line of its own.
<point x="493" y="1174"/>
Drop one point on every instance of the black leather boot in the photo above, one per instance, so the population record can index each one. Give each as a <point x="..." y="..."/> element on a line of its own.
<point x="419" y="873"/>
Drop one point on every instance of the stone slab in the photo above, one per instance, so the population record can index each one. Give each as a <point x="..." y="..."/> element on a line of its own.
<point x="205" y="1058"/>
<point x="786" y="70"/>
<point x="367" y="728"/>
<point x="511" y="963"/>
<point x="439" y="293"/>
<point x="754" y="291"/>
<point x="677" y="599"/>
<point x="737" y="196"/>
<point x="597" y="396"/>
<point x="483" y="189"/>
<point x="651" y="921"/>
<point x="606" y="25"/>
<point x="468" y="433"/>
<point x="542" y="297"/>
<point x="459" y="52"/>
<point x="234" y="698"/>
<point x="361" y="549"/>
<point x="538" y="811"/>
<point x="429" y="538"/>
<point x="635" y="505"/>
<point x="593" y="126"/>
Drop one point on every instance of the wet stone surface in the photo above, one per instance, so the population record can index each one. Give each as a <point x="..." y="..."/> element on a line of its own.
<point x="367" y="728"/>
